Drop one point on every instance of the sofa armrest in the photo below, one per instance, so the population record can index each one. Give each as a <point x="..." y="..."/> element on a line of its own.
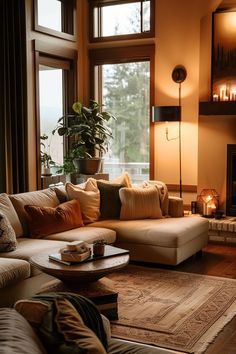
<point x="176" y="207"/>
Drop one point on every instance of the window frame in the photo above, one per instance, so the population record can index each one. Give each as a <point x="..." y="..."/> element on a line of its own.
<point x="124" y="55"/>
<point x="101" y="3"/>
<point x="60" y="57"/>
<point x="68" y="18"/>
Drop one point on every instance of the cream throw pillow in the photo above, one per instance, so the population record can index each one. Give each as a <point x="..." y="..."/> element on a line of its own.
<point x="89" y="199"/>
<point x="138" y="203"/>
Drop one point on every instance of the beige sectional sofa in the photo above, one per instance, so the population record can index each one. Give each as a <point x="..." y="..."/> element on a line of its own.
<point x="168" y="240"/>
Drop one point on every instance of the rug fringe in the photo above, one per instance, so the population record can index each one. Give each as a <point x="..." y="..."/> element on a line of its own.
<point x="218" y="327"/>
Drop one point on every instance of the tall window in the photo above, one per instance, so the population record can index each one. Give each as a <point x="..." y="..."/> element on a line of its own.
<point x="56" y="91"/>
<point x="121" y="18"/>
<point x="51" y="108"/>
<point x="125" y="90"/>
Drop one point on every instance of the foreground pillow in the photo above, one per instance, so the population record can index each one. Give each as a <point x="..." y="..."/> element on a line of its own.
<point x="89" y="199"/>
<point x="65" y="322"/>
<point x="7" y="235"/>
<point x="110" y="203"/>
<point x="44" y="221"/>
<point x="138" y="203"/>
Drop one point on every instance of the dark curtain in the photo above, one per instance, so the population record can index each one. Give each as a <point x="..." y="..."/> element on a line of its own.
<point x="13" y="108"/>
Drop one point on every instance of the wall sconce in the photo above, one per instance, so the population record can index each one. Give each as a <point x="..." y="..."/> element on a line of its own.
<point x="209" y="199"/>
<point x="173" y="114"/>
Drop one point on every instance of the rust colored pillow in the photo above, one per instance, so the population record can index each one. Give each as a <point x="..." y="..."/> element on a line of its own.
<point x="45" y="221"/>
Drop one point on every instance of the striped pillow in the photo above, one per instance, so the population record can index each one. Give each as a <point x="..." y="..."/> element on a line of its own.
<point x="140" y="203"/>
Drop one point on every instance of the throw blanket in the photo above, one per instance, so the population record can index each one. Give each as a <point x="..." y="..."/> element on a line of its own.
<point x="88" y="312"/>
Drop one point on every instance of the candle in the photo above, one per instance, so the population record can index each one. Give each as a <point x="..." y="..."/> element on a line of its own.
<point x="215" y="97"/>
<point x="222" y="93"/>
<point x="225" y="98"/>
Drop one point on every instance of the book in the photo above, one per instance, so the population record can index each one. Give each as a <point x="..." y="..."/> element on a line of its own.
<point x="110" y="251"/>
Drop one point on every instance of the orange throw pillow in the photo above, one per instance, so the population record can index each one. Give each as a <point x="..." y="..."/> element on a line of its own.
<point x="45" y="221"/>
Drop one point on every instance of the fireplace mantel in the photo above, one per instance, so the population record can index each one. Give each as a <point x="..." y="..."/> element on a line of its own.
<point x="217" y="108"/>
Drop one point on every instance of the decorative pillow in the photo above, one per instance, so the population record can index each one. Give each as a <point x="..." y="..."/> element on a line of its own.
<point x="7" y="235"/>
<point x="89" y="200"/>
<point x="45" y="221"/>
<point x="138" y="203"/>
<point x="65" y="322"/>
<point x="164" y="199"/>
<point x="32" y="310"/>
<point x="45" y="197"/>
<point x="124" y="179"/>
<point x="8" y="210"/>
<point x="61" y="194"/>
<point x="110" y="203"/>
<point x="73" y="329"/>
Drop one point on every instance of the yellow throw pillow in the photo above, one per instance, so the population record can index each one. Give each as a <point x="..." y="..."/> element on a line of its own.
<point x="138" y="203"/>
<point x="89" y="199"/>
<point x="123" y="179"/>
<point x="73" y="329"/>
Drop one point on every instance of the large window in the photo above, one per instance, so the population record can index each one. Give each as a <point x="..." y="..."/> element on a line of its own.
<point x="125" y="90"/>
<point x="116" y="19"/>
<point x="56" y="91"/>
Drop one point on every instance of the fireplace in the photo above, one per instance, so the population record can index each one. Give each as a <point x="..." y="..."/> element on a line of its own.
<point x="231" y="180"/>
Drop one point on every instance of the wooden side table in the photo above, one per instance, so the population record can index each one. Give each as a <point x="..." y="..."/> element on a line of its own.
<point x="47" y="181"/>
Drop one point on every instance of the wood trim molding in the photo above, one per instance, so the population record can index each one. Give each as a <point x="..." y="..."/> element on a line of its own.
<point x="185" y="188"/>
<point x="55" y="50"/>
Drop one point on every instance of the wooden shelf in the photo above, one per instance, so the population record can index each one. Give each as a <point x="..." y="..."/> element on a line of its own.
<point x="217" y="108"/>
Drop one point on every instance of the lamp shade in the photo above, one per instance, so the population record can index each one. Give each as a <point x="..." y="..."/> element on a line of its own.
<point x="166" y="114"/>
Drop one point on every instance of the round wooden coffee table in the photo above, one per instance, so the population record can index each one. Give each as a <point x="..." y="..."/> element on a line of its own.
<point x="80" y="272"/>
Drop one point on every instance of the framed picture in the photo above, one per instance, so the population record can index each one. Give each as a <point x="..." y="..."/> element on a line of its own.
<point x="224" y="56"/>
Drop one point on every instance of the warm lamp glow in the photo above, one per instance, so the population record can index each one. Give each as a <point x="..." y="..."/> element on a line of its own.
<point x="209" y="199"/>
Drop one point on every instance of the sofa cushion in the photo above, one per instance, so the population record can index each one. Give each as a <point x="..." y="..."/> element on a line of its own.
<point x="13" y="271"/>
<point x="43" y="221"/>
<point x="85" y="234"/>
<point x="61" y="194"/>
<point x="16" y="334"/>
<point x="8" y="209"/>
<point x="7" y="235"/>
<point x="28" y="247"/>
<point x="166" y="232"/>
<point x="140" y="203"/>
<point x="46" y="197"/>
<point x="89" y="199"/>
<point x="110" y="203"/>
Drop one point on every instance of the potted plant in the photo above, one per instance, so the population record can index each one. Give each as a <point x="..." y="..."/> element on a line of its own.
<point x="88" y="134"/>
<point x="45" y="157"/>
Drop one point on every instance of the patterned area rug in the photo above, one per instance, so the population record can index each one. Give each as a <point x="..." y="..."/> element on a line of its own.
<point x="170" y="309"/>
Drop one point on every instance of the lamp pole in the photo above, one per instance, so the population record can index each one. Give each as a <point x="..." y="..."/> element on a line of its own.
<point x="179" y="74"/>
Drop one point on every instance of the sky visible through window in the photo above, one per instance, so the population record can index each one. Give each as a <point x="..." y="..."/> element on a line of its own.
<point x="49" y="14"/>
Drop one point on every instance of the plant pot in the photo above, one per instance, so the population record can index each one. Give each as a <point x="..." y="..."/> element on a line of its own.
<point x="88" y="166"/>
<point x="46" y="171"/>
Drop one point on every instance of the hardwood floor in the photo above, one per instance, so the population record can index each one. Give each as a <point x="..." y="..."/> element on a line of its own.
<point x="217" y="260"/>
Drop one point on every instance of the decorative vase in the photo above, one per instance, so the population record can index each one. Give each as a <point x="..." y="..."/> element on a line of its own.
<point x="88" y="166"/>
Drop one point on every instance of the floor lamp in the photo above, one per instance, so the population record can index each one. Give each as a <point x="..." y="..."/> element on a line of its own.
<point x="172" y="114"/>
